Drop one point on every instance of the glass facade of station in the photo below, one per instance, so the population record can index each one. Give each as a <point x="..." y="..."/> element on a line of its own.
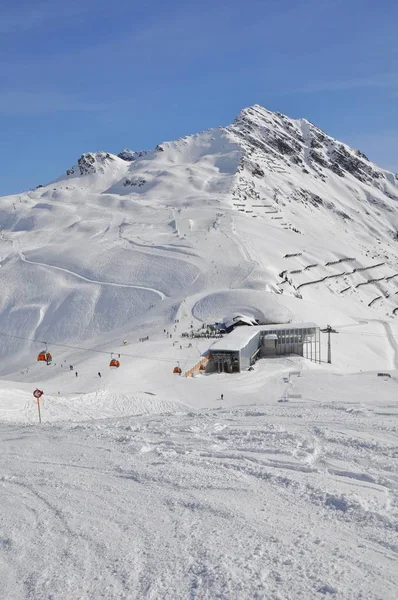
<point x="268" y="341"/>
<point x="302" y="341"/>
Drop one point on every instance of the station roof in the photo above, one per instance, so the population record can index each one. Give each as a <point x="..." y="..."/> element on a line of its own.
<point x="241" y="336"/>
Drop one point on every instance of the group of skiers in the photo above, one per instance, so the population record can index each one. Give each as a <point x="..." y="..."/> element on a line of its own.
<point x="76" y="373"/>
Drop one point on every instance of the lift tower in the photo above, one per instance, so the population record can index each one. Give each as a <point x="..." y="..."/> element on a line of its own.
<point x="329" y="330"/>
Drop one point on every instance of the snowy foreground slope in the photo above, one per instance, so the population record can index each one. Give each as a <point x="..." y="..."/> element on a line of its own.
<point x="143" y="484"/>
<point x="265" y="500"/>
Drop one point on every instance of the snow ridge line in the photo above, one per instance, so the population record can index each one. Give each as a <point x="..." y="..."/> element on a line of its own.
<point x="392" y="340"/>
<point x="390" y="336"/>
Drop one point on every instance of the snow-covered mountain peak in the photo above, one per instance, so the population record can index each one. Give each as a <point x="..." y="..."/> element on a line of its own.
<point x="244" y="218"/>
<point x="301" y="145"/>
<point x="258" y="139"/>
<point x="255" y="111"/>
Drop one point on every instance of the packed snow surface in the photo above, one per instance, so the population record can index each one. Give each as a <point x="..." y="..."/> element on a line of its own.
<point x="276" y="484"/>
<point x="248" y="498"/>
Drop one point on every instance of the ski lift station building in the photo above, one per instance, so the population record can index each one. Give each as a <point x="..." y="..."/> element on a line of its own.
<point x="240" y="349"/>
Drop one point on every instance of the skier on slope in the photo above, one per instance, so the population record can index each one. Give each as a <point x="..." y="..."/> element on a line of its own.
<point x="99" y="374"/>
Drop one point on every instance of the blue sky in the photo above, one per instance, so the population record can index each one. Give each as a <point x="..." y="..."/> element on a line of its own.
<point x="85" y="75"/>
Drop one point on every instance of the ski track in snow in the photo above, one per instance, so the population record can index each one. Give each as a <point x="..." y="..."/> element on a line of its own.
<point x="237" y="503"/>
<point x="123" y="285"/>
<point x="393" y="342"/>
<point x="390" y="337"/>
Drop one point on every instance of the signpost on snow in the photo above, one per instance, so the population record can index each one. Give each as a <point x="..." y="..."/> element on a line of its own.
<point x="38" y="394"/>
<point x="329" y="330"/>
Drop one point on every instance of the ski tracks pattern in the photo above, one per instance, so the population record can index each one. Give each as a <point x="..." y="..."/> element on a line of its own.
<point x="239" y="503"/>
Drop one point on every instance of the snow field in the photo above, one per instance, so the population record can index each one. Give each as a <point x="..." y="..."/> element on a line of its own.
<point x="246" y="502"/>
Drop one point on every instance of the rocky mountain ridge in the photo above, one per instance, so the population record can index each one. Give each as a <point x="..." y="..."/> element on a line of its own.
<point x="299" y="142"/>
<point x="281" y="142"/>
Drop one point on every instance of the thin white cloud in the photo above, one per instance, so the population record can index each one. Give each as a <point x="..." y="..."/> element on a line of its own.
<point x="384" y="80"/>
<point x="22" y="103"/>
<point x="35" y="15"/>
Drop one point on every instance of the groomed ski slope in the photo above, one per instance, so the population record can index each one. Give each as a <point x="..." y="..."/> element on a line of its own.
<point x="251" y="498"/>
<point x="143" y="484"/>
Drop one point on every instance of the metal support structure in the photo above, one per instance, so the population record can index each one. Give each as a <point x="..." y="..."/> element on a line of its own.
<point x="329" y="330"/>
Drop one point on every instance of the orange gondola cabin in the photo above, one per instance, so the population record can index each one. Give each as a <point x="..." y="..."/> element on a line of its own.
<point x="114" y="363"/>
<point x="177" y="370"/>
<point x="45" y="357"/>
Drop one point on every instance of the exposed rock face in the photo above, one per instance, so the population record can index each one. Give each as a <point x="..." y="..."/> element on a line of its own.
<point x="92" y="162"/>
<point x="134" y="182"/>
<point x="301" y="143"/>
<point x="292" y="162"/>
<point x="131" y="155"/>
